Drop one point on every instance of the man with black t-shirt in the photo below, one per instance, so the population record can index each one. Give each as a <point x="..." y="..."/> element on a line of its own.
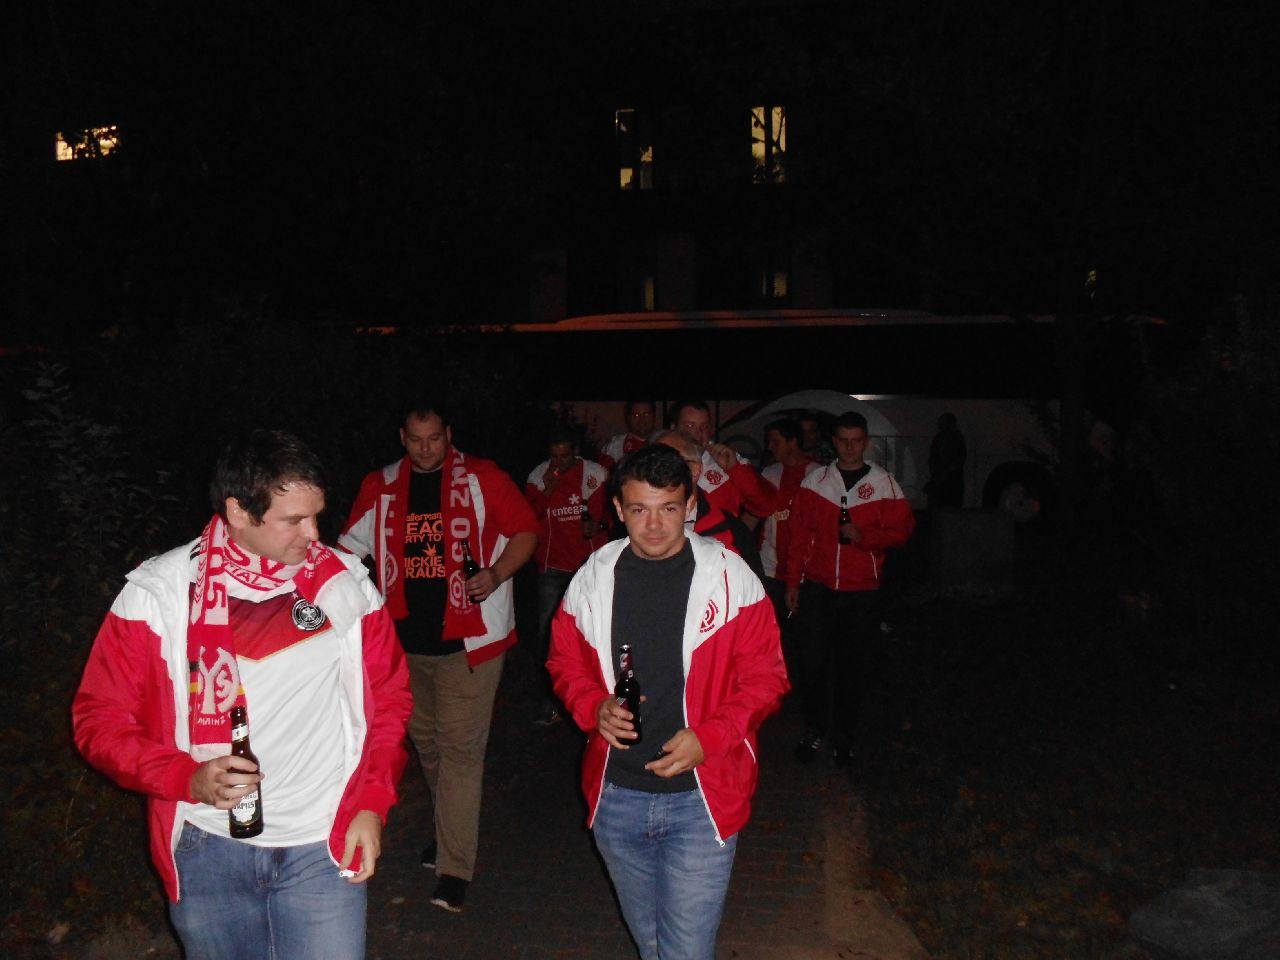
<point x="667" y="799"/>
<point x="419" y="517"/>
<point x="832" y="575"/>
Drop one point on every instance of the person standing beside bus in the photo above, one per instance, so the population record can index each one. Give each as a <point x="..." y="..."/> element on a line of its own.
<point x="844" y="518"/>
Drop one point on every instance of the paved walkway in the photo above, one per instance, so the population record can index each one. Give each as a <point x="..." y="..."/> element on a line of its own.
<point x="799" y="888"/>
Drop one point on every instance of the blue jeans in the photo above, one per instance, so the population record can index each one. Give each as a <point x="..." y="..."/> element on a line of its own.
<point x="670" y="874"/>
<point x="241" y="902"/>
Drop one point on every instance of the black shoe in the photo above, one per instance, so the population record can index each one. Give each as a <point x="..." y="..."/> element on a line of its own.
<point x="842" y="757"/>
<point x="450" y="893"/>
<point x="429" y="856"/>
<point x="806" y="750"/>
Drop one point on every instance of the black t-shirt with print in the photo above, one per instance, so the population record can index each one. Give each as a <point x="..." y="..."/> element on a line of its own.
<point x="425" y="580"/>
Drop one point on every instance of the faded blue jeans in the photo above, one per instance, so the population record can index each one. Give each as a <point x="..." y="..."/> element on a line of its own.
<point x="670" y="873"/>
<point x="241" y="902"/>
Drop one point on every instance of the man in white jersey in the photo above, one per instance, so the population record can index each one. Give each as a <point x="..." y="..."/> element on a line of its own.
<point x="255" y="613"/>
<point x="638" y="415"/>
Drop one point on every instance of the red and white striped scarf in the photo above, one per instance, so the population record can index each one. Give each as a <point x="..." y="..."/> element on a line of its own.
<point x="215" y="674"/>
<point x="461" y="515"/>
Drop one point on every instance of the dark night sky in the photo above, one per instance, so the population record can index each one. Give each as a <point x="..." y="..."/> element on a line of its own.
<point x="396" y="162"/>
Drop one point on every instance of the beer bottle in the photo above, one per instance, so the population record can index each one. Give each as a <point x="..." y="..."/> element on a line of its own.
<point x="246" y="816"/>
<point x="844" y="518"/>
<point x="627" y="689"/>
<point x="469" y="566"/>
<point x="585" y="516"/>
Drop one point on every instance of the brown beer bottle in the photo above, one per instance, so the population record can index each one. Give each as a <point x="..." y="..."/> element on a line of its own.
<point x="584" y="516"/>
<point x="627" y="689"/>
<point x="245" y="816"/>
<point x="469" y="566"/>
<point x="844" y="518"/>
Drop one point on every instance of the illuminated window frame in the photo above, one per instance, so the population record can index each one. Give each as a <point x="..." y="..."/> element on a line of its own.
<point x="86" y="144"/>
<point x="635" y="150"/>
<point x="769" y="144"/>
<point x="775" y="286"/>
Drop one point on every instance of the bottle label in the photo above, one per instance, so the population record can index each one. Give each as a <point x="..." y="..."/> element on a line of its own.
<point x="247" y="809"/>
<point x="240" y="731"/>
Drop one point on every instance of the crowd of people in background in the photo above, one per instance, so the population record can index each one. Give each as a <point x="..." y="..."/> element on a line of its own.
<point x="664" y="554"/>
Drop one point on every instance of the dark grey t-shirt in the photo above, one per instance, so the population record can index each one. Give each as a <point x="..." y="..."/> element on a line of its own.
<point x="649" y="602"/>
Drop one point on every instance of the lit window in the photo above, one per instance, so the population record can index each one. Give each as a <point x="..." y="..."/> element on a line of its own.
<point x="648" y="292"/>
<point x="773" y="285"/>
<point x="83" y="144"/>
<point x="635" y="150"/>
<point x="769" y="144"/>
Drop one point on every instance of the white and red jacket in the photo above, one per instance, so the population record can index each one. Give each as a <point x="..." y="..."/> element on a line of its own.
<point x="561" y="545"/>
<point x="775" y="532"/>
<point x="376" y="528"/>
<point x="740" y="487"/>
<point x="876" y="507"/>
<point x="130" y="713"/>
<point x="734" y="675"/>
<point x="618" y="446"/>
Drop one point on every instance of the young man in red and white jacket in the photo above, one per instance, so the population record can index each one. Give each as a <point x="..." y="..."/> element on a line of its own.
<point x="567" y="494"/>
<point x="419" y="517"/>
<point x="732" y="485"/>
<point x="639" y="417"/>
<point x="833" y="574"/>
<point x="674" y="786"/>
<point x="789" y="468"/>
<point x="257" y="614"/>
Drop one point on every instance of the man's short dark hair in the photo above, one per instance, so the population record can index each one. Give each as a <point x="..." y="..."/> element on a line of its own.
<point x="423" y="409"/>
<point x="630" y="405"/>
<point x="255" y="467"/>
<point x="657" y="465"/>
<point x="787" y="428"/>
<point x="559" y="435"/>
<point x="694" y="404"/>
<point x="849" y="419"/>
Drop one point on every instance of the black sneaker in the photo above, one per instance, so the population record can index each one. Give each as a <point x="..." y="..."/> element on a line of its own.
<point x="450" y="893"/>
<point x="806" y="750"/>
<point x="429" y="856"/>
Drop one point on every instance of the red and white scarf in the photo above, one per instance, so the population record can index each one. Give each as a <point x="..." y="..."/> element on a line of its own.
<point x="215" y="674"/>
<point x="458" y="503"/>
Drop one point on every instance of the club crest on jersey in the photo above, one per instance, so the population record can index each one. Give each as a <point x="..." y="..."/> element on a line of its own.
<point x="709" y="617"/>
<point x="592" y="483"/>
<point x="714" y="477"/>
<point x="865" y="491"/>
<point x="307" y="616"/>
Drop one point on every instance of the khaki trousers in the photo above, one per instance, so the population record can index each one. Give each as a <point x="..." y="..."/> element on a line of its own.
<point x="449" y="727"/>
